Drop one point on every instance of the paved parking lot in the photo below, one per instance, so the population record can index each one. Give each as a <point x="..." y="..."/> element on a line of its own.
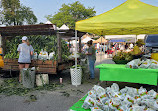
<point x="56" y="100"/>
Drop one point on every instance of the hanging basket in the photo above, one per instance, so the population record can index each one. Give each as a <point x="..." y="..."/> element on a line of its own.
<point x="76" y="75"/>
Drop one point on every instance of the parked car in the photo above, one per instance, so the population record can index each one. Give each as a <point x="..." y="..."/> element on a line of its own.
<point x="151" y="43"/>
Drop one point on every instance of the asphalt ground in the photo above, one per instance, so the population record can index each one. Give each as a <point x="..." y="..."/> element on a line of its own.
<point x="55" y="100"/>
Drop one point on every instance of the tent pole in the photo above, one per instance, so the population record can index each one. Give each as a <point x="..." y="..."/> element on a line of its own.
<point x="136" y="39"/>
<point x="76" y="49"/>
<point x="104" y="44"/>
<point x="69" y="44"/>
<point x="101" y="49"/>
<point x="59" y="47"/>
<point x="80" y="45"/>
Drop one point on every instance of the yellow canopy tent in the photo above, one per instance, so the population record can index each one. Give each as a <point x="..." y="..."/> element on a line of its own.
<point x="100" y="40"/>
<point x="131" y="17"/>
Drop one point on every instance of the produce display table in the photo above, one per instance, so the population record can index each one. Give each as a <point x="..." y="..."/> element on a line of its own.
<point x="44" y="66"/>
<point x="78" y="106"/>
<point x="115" y="72"/>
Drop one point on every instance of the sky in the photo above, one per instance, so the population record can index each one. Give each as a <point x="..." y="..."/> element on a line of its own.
<point x="42" y="8"/>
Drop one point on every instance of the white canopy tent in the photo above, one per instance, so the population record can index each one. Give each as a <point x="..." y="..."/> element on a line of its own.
<point x="119" y="36"/>
<point x="74" y="42"/>
<point x="64" y="27"/>
<point x="141" y="36"/>
<point x="136" y="37"/>
<point x="48" y="22"/>
<point x="85" y="40"/>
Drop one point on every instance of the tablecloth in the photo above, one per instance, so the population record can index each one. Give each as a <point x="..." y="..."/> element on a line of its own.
<point x="116" y="72"/>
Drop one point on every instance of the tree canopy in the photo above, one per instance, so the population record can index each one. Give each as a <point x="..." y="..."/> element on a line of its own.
<point x="69" y="14"/>
<point x="16" y="14"/>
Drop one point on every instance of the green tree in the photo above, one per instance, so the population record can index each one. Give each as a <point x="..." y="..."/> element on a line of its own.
<point x="71" y="13"/>
<point x="25" y="15"/>
<point x="17" y="14"/>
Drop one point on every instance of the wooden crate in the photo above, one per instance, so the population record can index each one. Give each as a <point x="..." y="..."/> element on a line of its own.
<point x="47" y="70"/>
<point x="11" y="64"/>
<point x="47" y="66"/>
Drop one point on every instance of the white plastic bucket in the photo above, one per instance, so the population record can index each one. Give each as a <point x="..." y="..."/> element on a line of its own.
<point x="42" y="79"/>
<point x="76" y="75"/>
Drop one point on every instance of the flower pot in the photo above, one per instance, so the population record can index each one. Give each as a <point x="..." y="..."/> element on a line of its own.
<point x="76" y="75"/>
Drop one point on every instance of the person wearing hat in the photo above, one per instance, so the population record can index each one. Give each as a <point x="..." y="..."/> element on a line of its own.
<point x="91" y="57"/>
<point x="25" y="52"/>
<point x="137" y="53"/>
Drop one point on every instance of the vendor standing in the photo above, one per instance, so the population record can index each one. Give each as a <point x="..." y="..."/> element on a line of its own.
<point x="137" y="53"/>
<point x="91" y="58"/>
<point x="25" y="52"/>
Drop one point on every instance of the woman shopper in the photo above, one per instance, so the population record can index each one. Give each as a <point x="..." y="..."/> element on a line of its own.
<point x="25" y="52"/>
<point x="91" y="58"/>
<point x="137" y="53"/>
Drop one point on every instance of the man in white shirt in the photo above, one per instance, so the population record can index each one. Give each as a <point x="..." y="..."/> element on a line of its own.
<point x="98" y="47"/>
<point x="131" y="46"/>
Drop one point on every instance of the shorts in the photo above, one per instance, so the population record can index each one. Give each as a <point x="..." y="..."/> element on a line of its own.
<point x="23" y="63"/>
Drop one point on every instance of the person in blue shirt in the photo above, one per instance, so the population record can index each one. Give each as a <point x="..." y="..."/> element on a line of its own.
<point x="25" y="52"/>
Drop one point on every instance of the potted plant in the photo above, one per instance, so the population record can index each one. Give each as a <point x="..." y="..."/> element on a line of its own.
<point x="76" y="75"/>
<point x="122" y="57"/>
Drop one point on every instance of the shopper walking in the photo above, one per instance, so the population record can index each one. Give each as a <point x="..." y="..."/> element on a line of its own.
<point x="25" y="52"/>
<point x="91" y="58"/>
<point x="137" y="53"/>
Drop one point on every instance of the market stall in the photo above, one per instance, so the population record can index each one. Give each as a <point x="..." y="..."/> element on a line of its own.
<point x="131" y="17"/>
<point x="85" y="40"/>
<point x="117" y="40"/>
<point x="44" y="66"/>
<point x="113" y="98"/>
<point x="115" y="72"/>
<point x="101" y="40"/>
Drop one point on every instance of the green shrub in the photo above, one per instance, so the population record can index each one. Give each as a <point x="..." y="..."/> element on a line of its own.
<point x="123" y="56"/>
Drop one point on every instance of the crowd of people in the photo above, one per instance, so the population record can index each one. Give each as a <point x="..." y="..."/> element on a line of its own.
<point x="90" y="49"/>
<point x="137" y="49"/>
<point x="26" y="51"/>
